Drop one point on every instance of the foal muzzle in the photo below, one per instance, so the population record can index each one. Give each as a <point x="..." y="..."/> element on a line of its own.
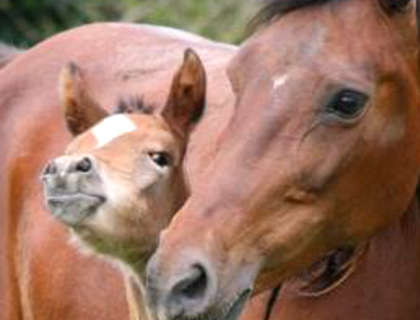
<point x="72" y="189"/>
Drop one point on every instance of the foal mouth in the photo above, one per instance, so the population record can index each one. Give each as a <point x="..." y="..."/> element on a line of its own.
<point x="57" y="198"/>
<point x="73" y="208"/>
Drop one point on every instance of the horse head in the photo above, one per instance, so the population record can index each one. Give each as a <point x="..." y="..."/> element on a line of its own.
<point x="321" y="153"/>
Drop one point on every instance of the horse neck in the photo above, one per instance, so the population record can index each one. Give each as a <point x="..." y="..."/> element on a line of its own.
<point x="383" y="286"/>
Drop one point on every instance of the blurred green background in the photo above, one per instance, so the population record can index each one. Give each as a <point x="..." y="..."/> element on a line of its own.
<point x="26" y="22"/>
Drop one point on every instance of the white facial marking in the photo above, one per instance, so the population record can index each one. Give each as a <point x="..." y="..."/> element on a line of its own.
<point x="111" y="128"/>
<point x="279" y="81"/>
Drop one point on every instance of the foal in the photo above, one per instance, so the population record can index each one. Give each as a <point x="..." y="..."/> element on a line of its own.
<point x="121" y="179"/>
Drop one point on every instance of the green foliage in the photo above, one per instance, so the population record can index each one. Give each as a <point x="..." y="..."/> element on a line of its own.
<point x="26" y="22"/>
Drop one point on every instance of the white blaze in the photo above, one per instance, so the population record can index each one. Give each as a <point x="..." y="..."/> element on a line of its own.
<point x="111" y="128"/>
<point x="279" y="82"/>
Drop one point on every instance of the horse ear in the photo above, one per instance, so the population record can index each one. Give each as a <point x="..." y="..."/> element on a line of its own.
<point x="81" y="112"/>
<point x="187" y="97"/>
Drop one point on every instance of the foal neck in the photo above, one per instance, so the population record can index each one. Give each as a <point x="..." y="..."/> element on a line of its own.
<point x="137" y="306"/>
<point x="385" y="285"/>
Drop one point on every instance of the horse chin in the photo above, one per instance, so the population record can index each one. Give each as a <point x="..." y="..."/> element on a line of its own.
<point x="74" y="209"/>
<point x="235" y="310"/>
<point x="229" y="311"/>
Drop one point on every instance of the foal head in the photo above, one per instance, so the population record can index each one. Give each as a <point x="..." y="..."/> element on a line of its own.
<point x="121" y="178"/>
<point x="321" y="153"/>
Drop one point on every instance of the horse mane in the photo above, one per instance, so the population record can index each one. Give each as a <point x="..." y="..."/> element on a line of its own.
<point x="277" y="8"/>
<point x="133" y="105"/>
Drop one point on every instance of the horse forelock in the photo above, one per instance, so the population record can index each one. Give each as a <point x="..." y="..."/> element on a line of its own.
<point x="277" y="8"/>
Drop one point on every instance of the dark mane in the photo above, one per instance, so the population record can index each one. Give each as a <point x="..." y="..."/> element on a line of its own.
<point x="133" y="105"/>
<point x="278" y="8"/>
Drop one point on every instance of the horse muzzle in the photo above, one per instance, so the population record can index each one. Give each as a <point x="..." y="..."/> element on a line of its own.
<point x="72" y="189"/>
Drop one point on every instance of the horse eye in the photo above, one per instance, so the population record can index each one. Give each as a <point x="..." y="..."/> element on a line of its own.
<point x="162" y="159"/>
<point x="394" y="5"/>
<point x="347" y="104"/>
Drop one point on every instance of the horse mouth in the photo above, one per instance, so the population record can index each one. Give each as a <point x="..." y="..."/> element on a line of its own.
<point x="73" y="209"/>
<point x="234" y="310"/>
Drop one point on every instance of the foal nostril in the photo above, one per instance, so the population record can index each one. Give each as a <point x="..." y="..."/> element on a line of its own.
<point x="50" y="169"/>
<point x="84" y="165"/>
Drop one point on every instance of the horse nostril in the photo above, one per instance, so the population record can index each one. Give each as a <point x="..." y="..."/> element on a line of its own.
<point x="84" y="165"/>
<point x="195" y="285"/>
<point x="190" y="293"/>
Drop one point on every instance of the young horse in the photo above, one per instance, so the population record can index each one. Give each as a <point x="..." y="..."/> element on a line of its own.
<point x="121" y="179"/>
<point x="318" y="167"/>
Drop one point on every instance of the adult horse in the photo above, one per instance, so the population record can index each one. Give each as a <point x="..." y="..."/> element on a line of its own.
<point x="42" y="276"/>
<point x="314" y="177"/>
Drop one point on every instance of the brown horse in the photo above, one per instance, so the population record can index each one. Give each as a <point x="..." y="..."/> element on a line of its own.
<point x="43" y="276"/>
<point x="313" y="181"/>
<point x="121" y="178"/>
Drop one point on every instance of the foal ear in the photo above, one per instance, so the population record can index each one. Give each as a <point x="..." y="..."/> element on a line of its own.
<point x="187" y="97"/>
<point x="81" y="112"/>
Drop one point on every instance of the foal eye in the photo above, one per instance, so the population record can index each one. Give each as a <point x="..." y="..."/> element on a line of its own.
<point x="347" y="104"/>
<point x="162" y="159"/>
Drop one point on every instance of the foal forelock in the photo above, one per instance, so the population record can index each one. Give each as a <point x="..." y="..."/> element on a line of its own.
<point x="133" y="105"/>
